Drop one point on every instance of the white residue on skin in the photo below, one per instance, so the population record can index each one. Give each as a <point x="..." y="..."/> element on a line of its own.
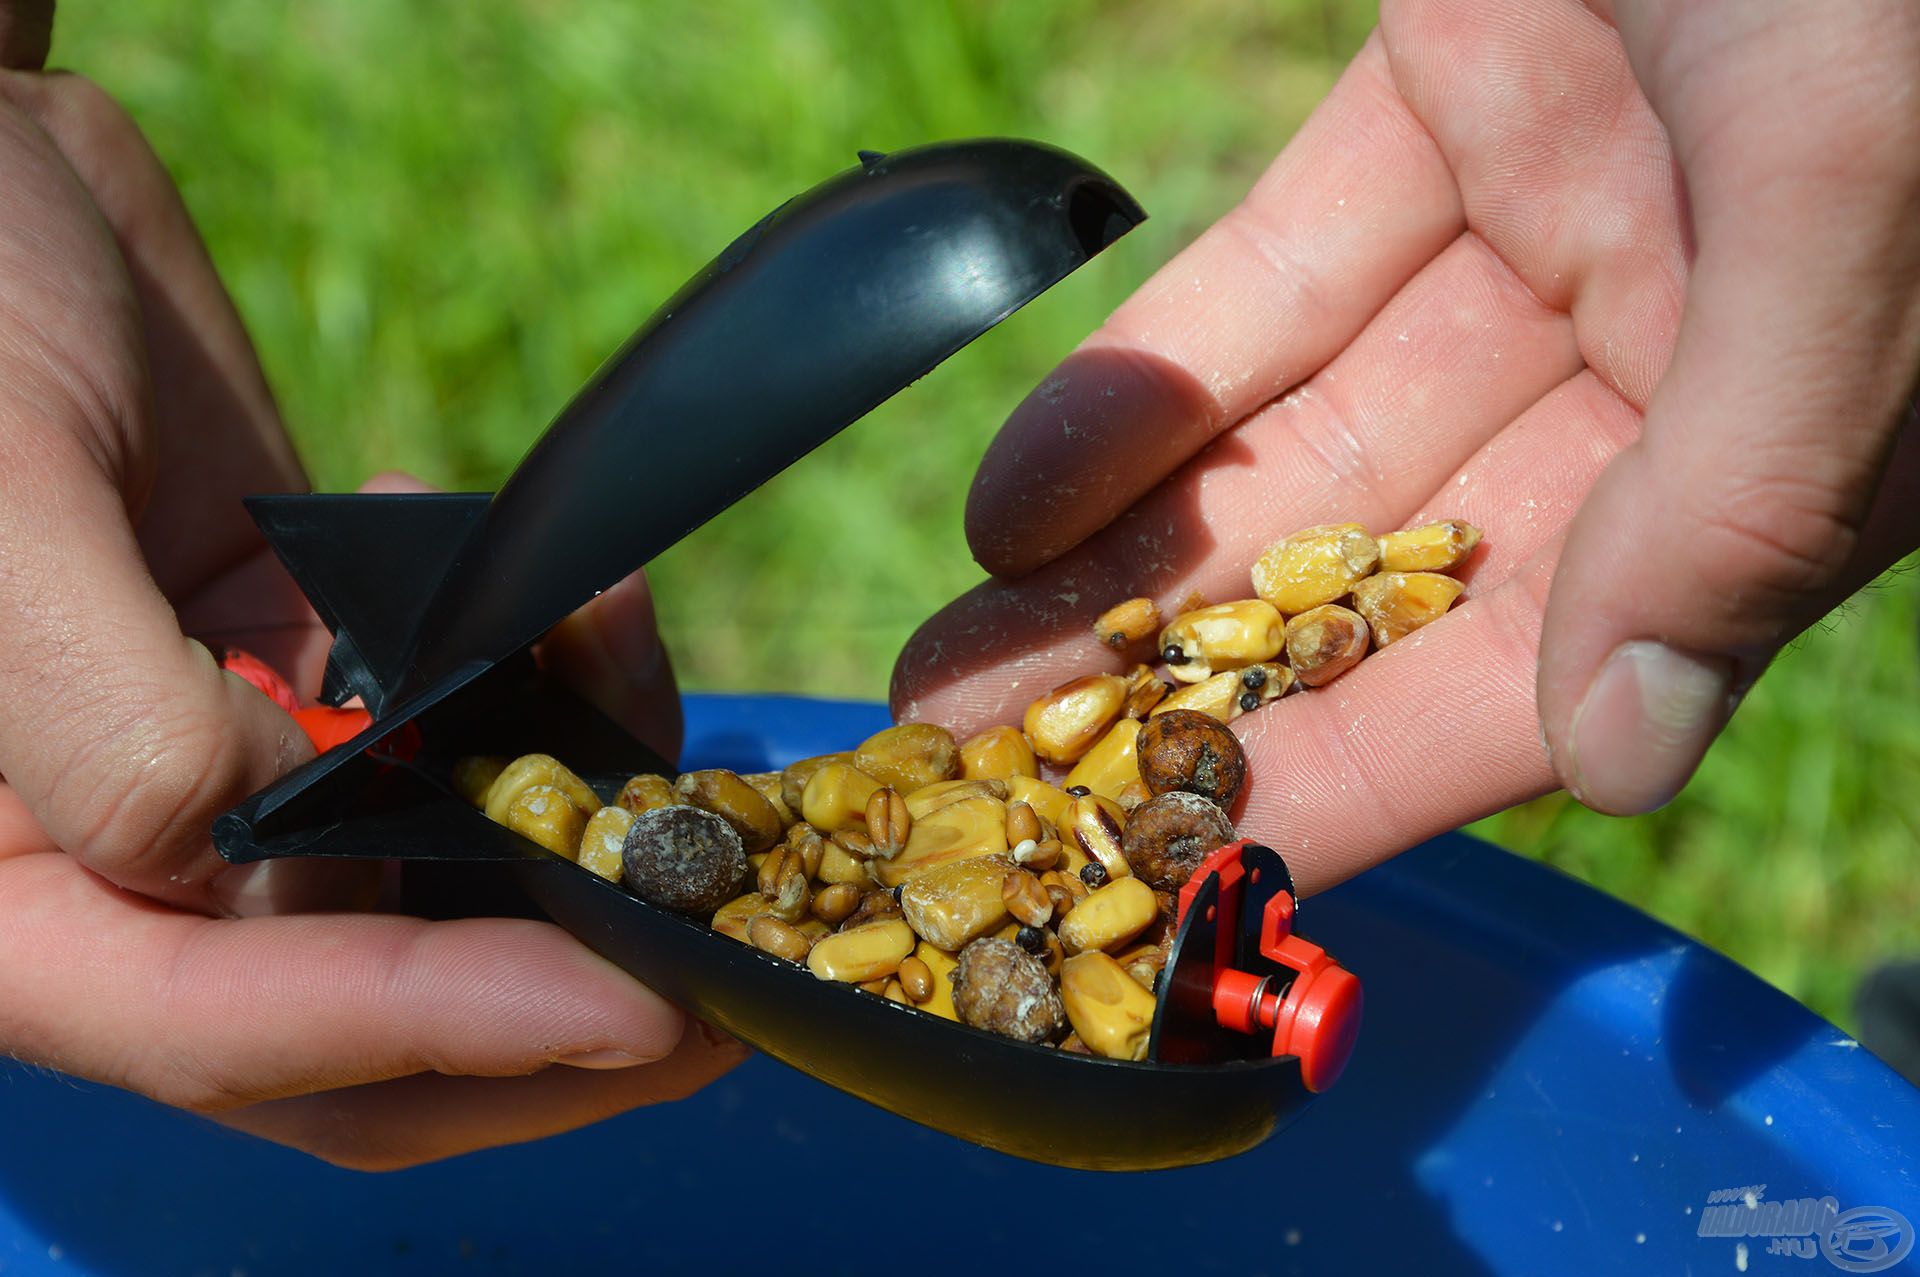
<point x="1052" y="389"/>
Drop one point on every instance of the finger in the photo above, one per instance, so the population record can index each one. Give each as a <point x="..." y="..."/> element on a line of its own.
<point x="212" y="1014"/>
<point x="610" y="652"/>
<point x="1460" y="353"/>
<point x="217" y="432"/>
<point x="26" y="32"/>
<point x="1356" y="204"/>
<point x="426" y="1117"/>
<point x="1724" y="532"/>
<point x="123" y="737"/>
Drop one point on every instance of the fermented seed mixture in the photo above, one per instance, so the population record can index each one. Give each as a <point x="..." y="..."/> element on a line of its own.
<point x="953" y="876"/>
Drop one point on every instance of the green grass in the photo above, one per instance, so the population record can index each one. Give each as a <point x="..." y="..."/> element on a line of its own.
<point x="438" y="218"/>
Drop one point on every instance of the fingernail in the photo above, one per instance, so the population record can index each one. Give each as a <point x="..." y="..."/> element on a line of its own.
<point x="1644" y="724"/>
<point x="610" y="1058"/>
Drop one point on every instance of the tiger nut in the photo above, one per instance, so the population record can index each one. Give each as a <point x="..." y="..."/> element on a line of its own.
<point x="1065" y="723"/>
<point x="646" y="792"/>
<point x="998" y="753"/>
<point x="1396" y="604"/>
<point x="1184" y="750"/>
<point x="1223" y="636"/>
<point x="794" y="777"/>
<point x="735" y="801"/>
<point x="545" y="815"/>
<point x="910" y="756"/>
<point x="1324" y="643"/>
<point x="683" y="858"/>
<point x="1125" y="624"/>
<point x="1112" y="764"/>
<point x="1000" y="987"/>
<point x="1315" y="566"/>
<point x="1433" y="547"/>
<point x="1167" y="837"/>
<point x="602" y="841"/>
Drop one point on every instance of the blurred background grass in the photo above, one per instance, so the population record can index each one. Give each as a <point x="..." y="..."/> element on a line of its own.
<point x="439" y="217"/>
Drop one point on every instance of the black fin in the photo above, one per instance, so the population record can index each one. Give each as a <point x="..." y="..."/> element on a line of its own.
<point x="369" y="563"/>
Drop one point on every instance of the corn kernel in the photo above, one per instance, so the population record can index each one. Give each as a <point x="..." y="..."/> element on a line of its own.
<point x="1398" y="603"/>
<point x="1224" y="636"/>
<point x="1433" y="547"/>
<point x="1315" y="566"/>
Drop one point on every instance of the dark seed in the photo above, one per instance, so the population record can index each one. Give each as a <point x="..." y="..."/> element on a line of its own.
<point x="896" y="892"/>
<point x="1078" y="791"/>
<point x="1032" y="939"/>
<point x="1174" y="654"/>
<point x="1254" y="679"/>
<point x="1249" y="700"/>
<point x="1094" y="874"/>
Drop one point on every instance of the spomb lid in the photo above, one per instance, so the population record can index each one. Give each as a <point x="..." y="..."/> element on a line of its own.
<point x="825" y="308"/>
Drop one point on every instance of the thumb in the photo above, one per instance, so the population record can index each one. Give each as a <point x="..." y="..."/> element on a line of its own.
<point x="1747" y="508"/>
<point x="123" y="737"/>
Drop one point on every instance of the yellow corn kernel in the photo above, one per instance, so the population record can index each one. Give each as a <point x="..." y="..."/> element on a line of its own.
<point x="1124" y="624"/>
<point x="529" y="770"/>
<point x="1433" y="547"/>
<point x="999" y="753"/>
<point x="1109" y="766"/>
<point x="1224" y="636"/>
<point x="928" y="799"/>
<point x="836" y="798"/>
<point x="603" y="840"/>
<point x="1315" y="566"/>
<point x="1108" y="1009"/>
<point x="1110" y="917"/>
<point x="957" y="831"/>
<point x="1065" y="723"/>
<point x="546" y="815"/>
<point x="1049" y="802"/>
<point x="1218" y="696"/>
<point x="1396" y="604"/>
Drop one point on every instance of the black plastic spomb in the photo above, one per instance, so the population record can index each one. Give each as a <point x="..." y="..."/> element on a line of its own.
<point x="833" y="302"/>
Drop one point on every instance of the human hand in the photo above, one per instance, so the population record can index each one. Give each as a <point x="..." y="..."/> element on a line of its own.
<point x="1643" y="303"/>
<point x="136" y="416"/>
